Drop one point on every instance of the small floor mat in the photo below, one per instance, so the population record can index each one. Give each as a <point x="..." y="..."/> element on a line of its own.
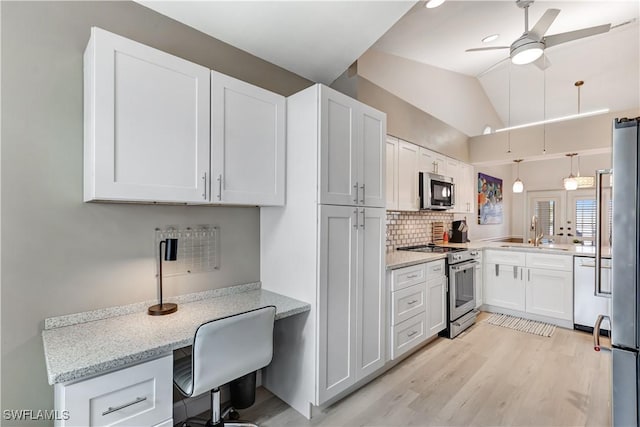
<point x="523" y="325"/>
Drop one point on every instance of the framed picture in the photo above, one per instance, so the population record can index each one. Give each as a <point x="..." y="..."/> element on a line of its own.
<point x="489" y="200"/>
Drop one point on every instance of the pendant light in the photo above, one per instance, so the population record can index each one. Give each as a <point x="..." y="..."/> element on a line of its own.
<point x="518" y="185"/>
<point x="570" y="182"/>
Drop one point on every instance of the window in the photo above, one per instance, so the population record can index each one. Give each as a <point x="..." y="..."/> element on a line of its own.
<point x="585" y="220"/>
<point x="546" y="212"/>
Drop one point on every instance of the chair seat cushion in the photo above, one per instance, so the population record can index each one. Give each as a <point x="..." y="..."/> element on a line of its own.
<point x="182" y="376"/>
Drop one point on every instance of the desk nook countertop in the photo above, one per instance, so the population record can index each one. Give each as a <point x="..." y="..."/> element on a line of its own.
<point x="111" y="339"/>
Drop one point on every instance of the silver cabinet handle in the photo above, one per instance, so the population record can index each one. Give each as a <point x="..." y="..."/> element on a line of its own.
<point x="515" y="272"/>
<point x="204" y="178"/>
<point x="412" y="276"/>
<point x="412" y="333"/>
<point x="596" y="332"/>
<point x="362" y="199"/>
<point x="528" y="275"/>
<point x="356" y="214"/>
<point x="412" y="302"/>
<point x="356" y="188"/>
<point x="126" y="405"/>
<point x="220" y="187"/>
<point x="439" y="268"/>
<point x="521" y="273"/>
<point x="362" y="225"/>
<point x="497" y="270"/>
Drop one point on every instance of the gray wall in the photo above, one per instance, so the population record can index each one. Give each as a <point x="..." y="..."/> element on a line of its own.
<point x="404" y="120"/>
<point x="60" y="255"/>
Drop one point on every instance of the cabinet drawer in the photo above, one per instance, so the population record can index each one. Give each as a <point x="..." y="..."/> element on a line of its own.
<point x="407" y="276"/>
<point x="505" y="257"/>
<point x="550" y="261"/>
<point x="407" y="303"/>
<point x="435" y="269"/>
<point x="408" y="334"/>
<point x="139" y="395"/>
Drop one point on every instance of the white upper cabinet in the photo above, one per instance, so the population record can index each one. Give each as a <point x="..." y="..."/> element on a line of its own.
<point x="162" y="129"/>
<point x="146" y="123"/>
<point x="391" y="172"/>
<point x="408" y="155"/>
<point x="431" y="162"/>
<point x="247" y="143"/>
<point x="352" y="151"/>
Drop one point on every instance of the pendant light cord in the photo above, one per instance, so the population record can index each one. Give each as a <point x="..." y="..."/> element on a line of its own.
<point x="544" y="105"/>
<point x="509" y="115"/>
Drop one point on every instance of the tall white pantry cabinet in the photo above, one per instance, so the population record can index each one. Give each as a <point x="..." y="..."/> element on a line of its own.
<point x="326" y="246"/>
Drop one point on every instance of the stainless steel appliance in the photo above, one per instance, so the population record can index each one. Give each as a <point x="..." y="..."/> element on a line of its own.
<point x="437" y="192"/>
<point x="461" y="288"/>
<point x="587" y="306"/>
<point x="625" y="293"/>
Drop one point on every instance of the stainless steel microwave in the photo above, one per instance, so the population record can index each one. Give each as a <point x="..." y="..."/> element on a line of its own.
<point x="437" y="192"/>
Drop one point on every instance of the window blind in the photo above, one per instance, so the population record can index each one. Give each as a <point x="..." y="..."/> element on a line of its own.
<point x="545" y="211"/>
<point x="586" y="219"/>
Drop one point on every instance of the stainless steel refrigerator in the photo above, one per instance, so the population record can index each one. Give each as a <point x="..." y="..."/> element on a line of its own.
<point x="625" y="290"/>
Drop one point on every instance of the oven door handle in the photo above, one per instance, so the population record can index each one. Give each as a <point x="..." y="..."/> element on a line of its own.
<point x="464" y="265"/>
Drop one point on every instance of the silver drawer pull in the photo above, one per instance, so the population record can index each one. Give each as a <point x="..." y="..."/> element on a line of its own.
<point x="412" y="276"/>
<point x="412" y="333"/>
<point x="412" y="302"/>
<point x="437" y="268"/>
<point x="126" y="405"/>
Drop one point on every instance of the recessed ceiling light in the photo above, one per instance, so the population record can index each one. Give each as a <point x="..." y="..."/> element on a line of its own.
<point x="490" y="38"/>
<point x="433" y="3"/>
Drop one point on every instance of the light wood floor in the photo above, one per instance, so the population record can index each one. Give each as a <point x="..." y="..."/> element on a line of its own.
<point x="489" y="375"/>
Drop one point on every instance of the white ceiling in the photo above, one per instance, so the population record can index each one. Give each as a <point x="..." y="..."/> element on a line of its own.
<point x="608" y="63"/>
<point x="317" y="39"/>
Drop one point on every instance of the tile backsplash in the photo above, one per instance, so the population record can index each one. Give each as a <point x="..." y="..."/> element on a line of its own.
<point x="413" y="228"/>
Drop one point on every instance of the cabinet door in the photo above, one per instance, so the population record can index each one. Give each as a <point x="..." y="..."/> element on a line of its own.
<point x="464" y="188"/>
<point x="146" y="123"/>
<point x="337" y="300"/>
<point x="550" y="293"/>
<point x="247" y="144"/>
<point x="392" y="173"/>
<point x="426" y="160"/>
<point x="504" y="286"/>
<point x="408" y="177"/>
<point x="371" y="169"/>
<point x="370" y="330"/>
<point x="436" y="305"/>
<point x="339" y="149"/>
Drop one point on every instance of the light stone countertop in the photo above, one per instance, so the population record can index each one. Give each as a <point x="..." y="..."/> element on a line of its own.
<point x="399" y="259"/>
<point x="94" y="347"/>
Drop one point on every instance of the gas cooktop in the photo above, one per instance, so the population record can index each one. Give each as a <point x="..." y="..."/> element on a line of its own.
<point x="430" y="248"/>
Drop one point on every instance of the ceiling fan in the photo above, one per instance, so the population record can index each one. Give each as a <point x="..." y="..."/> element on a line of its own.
<point x="530" y="46"/>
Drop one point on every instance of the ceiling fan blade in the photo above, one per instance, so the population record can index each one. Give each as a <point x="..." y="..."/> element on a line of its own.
<point x="574" y="35"/>
<point x="478" y="49"/>
<point x="543" y="62"/>
<point x="544" y="23"/>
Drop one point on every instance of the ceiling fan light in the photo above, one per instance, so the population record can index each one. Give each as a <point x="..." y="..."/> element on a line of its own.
<point x="526" y="54"/>
<point x="433" y="3"/>
<point x="518" y="186"/>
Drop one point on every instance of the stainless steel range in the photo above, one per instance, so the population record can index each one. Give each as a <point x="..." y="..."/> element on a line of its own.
<point x="461" y="289"/>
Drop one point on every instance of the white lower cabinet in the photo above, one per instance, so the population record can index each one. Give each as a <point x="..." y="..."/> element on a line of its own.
<point x="539" y="284"/>
<point x="418" y="305"/>
<point x="503" y="286"/>
<point x="141" y="395"/>
<point x="437" y="309"/>
<point x="550" y="293"/>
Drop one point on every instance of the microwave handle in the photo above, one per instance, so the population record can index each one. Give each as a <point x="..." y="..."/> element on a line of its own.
<point x="453" y="194"/>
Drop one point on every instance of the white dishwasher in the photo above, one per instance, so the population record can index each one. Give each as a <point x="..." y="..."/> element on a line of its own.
<point x="587" y="306"/>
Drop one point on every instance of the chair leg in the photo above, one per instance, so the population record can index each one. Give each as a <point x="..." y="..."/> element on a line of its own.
<point x="216" y="419"/>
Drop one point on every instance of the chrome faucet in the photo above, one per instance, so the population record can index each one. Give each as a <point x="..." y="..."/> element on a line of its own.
<point x="534" y="227"/>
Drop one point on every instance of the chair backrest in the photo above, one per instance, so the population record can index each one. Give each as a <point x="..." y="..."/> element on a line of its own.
<point x="228" y="348"/>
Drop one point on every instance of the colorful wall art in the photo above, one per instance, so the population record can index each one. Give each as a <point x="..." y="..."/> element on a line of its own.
<point x="489" y="200"/>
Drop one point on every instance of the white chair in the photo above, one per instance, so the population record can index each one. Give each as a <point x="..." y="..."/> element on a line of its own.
<point x="223" y="350"/>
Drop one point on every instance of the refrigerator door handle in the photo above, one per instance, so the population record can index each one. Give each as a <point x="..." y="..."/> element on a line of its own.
<point x="596" y="332"/>
<point x="598" y="282"/>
